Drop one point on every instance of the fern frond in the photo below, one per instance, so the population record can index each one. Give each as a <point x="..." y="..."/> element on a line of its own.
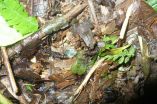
<point x="152" y="3"/>
<point x="16" y="16"/>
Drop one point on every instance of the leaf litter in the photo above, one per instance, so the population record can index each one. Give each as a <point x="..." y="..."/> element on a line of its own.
<point x="53" y="69"/>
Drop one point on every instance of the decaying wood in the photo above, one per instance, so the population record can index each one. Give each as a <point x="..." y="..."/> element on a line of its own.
<point x="27" y="46"/>
<point x="144" y="18"/>
<point x="9" y="69"/>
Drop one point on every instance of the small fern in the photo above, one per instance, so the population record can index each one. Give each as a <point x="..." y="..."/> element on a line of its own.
<point x="16" y="16"/>
<point x="152" y="3"/>
<point x="121" y="55"/>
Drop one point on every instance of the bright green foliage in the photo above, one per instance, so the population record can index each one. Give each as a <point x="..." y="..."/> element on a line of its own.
<point x="152" y="3"/>
<point x="79" y="67"/>
<point x="111" y="39"/>
<point x="109" y="44"/>
<point x="29" y="87"/>
<point x="16" y="16"/>
<point x="4" y="100"/>
<point x="120" y="55"/>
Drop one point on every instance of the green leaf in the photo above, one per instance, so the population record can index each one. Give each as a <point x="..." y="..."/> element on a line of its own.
<point x="110" y="38"/>
<point x="152" y="3"/>
<point x="117" y="50"/>
<point x="126" y="60"/>
<point x="155" y="7"/>
<point x="8" y="35"/>
<point x="121" y="60"/>
<point x="29" y="87"/>
<point x="110" y="52"/>
<point x="13" y="12"/>
<point x="132" y="51"/>
<point x="125" y="52"/>
<point x="4" y="100"/>
<point x="110" y="57"/>
<point x="106" y="38"/>
<point x="15" y="24"/>
<point x="107" y="57"/>
<point x="109" y="46"/>
<point x="115" y="57"/>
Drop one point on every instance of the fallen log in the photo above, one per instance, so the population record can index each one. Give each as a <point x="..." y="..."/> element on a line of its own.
<point x="27" y="46"/>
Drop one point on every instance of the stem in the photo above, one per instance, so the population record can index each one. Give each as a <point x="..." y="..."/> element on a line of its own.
<point x="8" y="66"/>
<point x="29" y="44"/>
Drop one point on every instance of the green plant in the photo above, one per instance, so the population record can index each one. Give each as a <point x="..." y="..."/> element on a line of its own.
<point x="16" y="16"/>
<point x="79" y="67"/>
<point x="119" y="55"/>
<point x="4" y="100"/>
<point x="29" y="87"/>
<point x="15" y="23"/>
<point x="152" y="3"/>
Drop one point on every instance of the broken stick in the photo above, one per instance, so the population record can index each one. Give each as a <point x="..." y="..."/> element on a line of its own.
<point x="131" y="9"/>
<point x="10" y="72"/>
<point x="30" y="43"/>
<point x="92" y="10"/>
<point x="83" y="84"/>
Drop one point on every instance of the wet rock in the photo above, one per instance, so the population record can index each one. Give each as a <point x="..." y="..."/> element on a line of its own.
<point x="71" y="52"/>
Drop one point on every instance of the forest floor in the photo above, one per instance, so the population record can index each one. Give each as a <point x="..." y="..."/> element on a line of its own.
<point x="105" y="55"/>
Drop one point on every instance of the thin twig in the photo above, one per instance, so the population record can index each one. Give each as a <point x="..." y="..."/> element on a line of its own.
<point x="32" y="7"/>
<point x="145" y="56"/>
<point x="92" y="10"/>
<point x="29" y="43"/>
<point x="5" y="81"/>
<point x="83" y="84"/>
<point x="125" y="23"/>
<point x="8" y="66"/>
<point x="131" y="9"/>
<point x="75" y="12"/>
